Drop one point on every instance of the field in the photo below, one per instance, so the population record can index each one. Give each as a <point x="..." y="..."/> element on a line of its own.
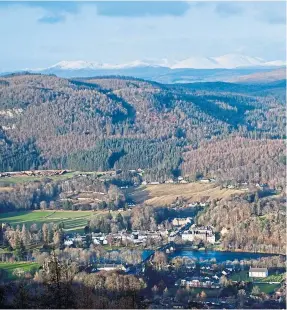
<point x="243" y="276"/>
<point x="24" y="178"/>
<point x="73" y="220"/>
<point x="8" y="269"/>
<point x="267" y="288"/>
<point x="163" y="194"/>
<point x="210" y="292"/>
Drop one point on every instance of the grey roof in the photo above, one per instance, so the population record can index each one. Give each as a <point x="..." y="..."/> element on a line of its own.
<point x="258" y="269"/>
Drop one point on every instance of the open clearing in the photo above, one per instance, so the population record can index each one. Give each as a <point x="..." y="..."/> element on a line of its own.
<point x="73" y="220"/>
<point x="10" y="267"/>
<point x="27" y="178"/>
<point x="164" y="194"/>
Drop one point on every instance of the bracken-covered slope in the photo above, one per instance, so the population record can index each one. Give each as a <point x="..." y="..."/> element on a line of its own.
<point x="113" y="122"/>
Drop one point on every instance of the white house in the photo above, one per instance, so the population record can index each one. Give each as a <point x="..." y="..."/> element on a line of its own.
<point x="204" y="181"/>
<point x="169" y="181"/>
<point x="258" y="272"/>
<point x="68" y="242"/>
<point x="109" y="267"/>
<point x="181" y="221"/>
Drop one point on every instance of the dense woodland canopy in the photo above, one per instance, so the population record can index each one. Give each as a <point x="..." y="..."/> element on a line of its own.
<point x="253" y="224"/>
<point x="126" y="123"/>
<point x="238" y="159"/>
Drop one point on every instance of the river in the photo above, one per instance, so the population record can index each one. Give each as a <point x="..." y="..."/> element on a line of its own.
<point x="220" y="256"/>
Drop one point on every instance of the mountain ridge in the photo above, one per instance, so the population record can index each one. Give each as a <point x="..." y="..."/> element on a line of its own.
<point x="227" y="61"/>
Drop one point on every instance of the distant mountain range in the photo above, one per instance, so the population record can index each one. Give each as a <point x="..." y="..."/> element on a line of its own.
<point x="228" y="61"/>
<point x="229" y="67"/>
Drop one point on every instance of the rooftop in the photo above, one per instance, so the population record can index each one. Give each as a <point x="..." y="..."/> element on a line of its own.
<point x="258" y="269"/>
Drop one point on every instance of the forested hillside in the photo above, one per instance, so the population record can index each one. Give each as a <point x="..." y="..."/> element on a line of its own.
<point x="238" y="159"/>
<point x="251" y="223"/>
<point x="126" y="123"/>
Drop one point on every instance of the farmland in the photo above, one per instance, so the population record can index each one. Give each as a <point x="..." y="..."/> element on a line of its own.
<point x="17" y="179"/>
<point x="72" y="220"/>
<point x="163" y="194"/>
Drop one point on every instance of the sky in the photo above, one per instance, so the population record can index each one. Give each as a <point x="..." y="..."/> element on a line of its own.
<point x="40" y="34"/>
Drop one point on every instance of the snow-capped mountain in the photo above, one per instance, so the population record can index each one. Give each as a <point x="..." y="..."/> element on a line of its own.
<point x="193" y="69"/>
<point x="228" y="61"/>
<point x="81" y="64"/>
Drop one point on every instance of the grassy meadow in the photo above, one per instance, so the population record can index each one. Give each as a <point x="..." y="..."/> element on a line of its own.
<point x="73" y="220"/>
<point x="25" y="178"/>
<point x="163" y="194"/>
<point x="9" y="268"/>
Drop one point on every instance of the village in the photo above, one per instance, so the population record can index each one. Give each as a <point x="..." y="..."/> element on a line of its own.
<point x="207" y="282"/>
<point x="183" y="230"/>
<point x="180" y="259"/>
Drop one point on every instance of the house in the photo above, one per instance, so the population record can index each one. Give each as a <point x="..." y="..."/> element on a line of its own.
<point x="197" y="282"/>
<point x="202" y="204"/>
<point x="181" y="221"/>
<point x="183" y="182"/>
<point x="258" y="272"/>
<point x="68" y="242"/>
<point x="204" y="233"/>
<point x="180" y="178"/>
<point x="109" y="267"/>
<point x="170" y="181"/>
<point x="204" y="181"/>
<point x="193" y="204"/>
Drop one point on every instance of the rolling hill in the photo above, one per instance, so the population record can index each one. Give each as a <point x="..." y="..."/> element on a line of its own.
<point x="107" y="123"/>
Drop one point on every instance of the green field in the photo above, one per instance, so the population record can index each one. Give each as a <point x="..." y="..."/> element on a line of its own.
<point x="267" y="288"/>
<point x="23" y="179"/>
<point x="240" y="276"/>
<point x="243" y="276"/>
<point x="8" y="269"/>
<point x="74" y="221"/>
<point x="210" y="292"/>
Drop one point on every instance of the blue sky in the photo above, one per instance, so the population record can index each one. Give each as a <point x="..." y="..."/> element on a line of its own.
<point x="40" y="34"/>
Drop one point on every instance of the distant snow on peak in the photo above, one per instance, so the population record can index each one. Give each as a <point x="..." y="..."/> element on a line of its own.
<point x="196" y="63"/>
<point x="228" y="61"/>
<point x="81" y="64"/>
<point x="75" y="65"/>
<point x="237" y="60"/>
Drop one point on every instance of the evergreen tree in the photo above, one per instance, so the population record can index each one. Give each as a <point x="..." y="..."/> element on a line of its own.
<point x="19" y="248"/>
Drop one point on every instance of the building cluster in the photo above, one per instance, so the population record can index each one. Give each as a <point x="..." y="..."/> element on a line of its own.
<point x="46" y="173"/>
<point x="138" y="237"/>
<point x="181" y="228"/>
<point x="135" y="237"/>
<point x="204" y="282"/>
<point x="203" y="233"/>
<point x="178" y="180"/>
<point x="204" y="277"/>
